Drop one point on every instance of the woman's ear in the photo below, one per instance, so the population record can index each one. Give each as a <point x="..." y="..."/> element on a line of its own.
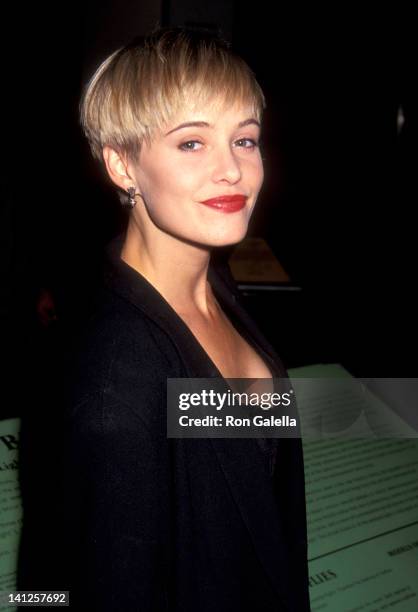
<point x="117" y="168"/>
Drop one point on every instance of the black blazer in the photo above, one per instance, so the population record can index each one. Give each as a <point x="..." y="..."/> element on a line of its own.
<point x="150" y="523"/>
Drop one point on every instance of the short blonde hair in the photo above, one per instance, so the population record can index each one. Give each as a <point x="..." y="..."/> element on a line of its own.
<point x="140" y="87"/>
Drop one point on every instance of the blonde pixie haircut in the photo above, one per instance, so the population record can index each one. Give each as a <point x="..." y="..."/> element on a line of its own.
<point x="138" y="89"/>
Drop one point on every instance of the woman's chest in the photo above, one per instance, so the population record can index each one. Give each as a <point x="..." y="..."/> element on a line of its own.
<point x="232" y="354"/>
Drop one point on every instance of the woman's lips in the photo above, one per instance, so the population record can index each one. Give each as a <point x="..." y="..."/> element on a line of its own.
<point x="226" y="203"/>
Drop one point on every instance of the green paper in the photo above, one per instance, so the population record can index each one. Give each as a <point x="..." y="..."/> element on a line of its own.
<point x="362" y="509"/>
<point x="10" y="506"/>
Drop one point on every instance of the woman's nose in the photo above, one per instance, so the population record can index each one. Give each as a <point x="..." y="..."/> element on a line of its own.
<point x="226" y="166"/>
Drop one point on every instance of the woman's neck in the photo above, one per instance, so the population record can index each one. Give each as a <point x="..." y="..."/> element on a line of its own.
<point x="178" y="270"/>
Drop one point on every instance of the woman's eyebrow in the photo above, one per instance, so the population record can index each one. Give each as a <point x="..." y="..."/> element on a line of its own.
<point x="205" y="124"/>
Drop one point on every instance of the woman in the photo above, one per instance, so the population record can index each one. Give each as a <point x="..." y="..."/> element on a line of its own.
<point x="170" y="524"/>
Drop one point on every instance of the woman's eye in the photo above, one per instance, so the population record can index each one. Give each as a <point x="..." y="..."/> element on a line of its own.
<point x="252" y="143"/>
<point x="188" y="146"/>
<point x="191" y="145"/>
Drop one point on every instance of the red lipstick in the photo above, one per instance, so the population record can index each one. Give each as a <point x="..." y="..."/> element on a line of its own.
<point x="226" y="203"/>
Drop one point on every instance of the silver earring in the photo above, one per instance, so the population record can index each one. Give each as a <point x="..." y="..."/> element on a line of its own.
<point x="131" y="194"/>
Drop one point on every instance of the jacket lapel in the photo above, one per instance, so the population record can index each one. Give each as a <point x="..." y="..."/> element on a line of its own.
<point x="240" y="459"/>
<point x="241" y="462"/>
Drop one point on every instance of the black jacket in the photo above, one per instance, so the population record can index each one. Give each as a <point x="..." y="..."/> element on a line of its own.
<point x="150" y="523"/>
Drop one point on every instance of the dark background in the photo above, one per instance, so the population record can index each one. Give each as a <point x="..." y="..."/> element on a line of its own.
<point x="336" y="207"/>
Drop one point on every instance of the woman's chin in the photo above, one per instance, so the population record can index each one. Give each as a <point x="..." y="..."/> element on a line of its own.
<point x="227" y="237"/>
<point x="221" y="236"/>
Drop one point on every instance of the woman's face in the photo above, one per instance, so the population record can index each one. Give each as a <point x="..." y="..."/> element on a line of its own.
<point x="186" y="165"/>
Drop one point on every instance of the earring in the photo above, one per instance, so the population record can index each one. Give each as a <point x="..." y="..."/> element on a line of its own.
<point x="131" y="194"/>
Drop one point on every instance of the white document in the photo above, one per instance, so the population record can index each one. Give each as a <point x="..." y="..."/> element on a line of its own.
<point x="10" y="506"/>
<point x="362" y="506"/>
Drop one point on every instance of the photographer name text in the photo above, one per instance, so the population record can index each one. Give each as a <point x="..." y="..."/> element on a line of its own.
<point x="231" y="421"/>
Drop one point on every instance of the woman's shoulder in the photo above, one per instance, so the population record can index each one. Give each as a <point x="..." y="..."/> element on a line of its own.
<point x="115" y="324"/>
<point x="120" y="356"/>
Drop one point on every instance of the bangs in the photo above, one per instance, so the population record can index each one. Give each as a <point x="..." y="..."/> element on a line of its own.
<point x="139" y="89"/>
